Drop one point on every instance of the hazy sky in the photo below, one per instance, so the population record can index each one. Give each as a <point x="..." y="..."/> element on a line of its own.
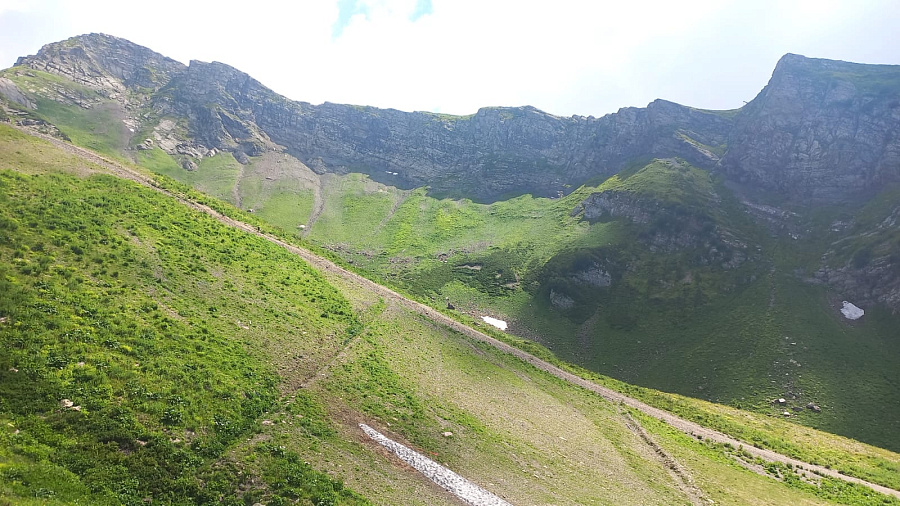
<point x="454" y="56"/>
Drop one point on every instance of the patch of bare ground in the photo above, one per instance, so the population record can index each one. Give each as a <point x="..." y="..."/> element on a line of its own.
<point x="318" y="206"/>
<point x="679" y="474"/>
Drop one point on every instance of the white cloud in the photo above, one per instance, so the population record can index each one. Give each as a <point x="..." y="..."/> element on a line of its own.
<point x="567" y="57"/>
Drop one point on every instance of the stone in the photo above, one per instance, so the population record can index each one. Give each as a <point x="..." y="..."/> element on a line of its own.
<point x="561" y="300"/>
<point x="241" y="157"/>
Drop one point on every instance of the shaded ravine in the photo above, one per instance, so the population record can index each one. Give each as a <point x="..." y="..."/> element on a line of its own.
<point x="688" y="427"/>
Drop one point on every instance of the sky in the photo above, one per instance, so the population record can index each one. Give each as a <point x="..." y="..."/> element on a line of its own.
<point x="566" y="57"/>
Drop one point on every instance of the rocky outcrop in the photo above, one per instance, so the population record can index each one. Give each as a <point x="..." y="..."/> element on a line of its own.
<point x="595" y="275"/>
<point x="561" y="300"/>
<point x="668" y="228"/>
<point x="871" y="275"/>
<point x="614" y="204"/>
<point x="12" y="93"/>
<point x="820" y="131"/>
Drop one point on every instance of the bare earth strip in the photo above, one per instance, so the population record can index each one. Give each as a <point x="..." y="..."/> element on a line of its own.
<point x="677" y="422"/>
<point x="469" y="492"/>
<point x="318" y="205"/>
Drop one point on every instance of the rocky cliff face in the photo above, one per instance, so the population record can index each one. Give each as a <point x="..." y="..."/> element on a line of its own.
<point x="668" y="229"/>
<point x="820" y="131"/>
<point x="495" y="152"/>
<point x="871" y="274"/>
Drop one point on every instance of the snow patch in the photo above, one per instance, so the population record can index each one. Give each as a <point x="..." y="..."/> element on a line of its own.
<point x="500" y="324"/>
<point x="469" y="492"/>
<point x="851" y="312"/>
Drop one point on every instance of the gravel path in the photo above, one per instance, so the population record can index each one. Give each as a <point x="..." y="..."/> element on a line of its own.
<point x="679" y="423"/>
<point x="469" y="492"/>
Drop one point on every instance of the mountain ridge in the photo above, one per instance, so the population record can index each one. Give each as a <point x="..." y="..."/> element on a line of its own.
<point x="833" y="140"/>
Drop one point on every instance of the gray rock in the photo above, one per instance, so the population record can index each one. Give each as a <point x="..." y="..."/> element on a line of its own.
<point x="10" y="91"/>
<point x="561" y="300"/>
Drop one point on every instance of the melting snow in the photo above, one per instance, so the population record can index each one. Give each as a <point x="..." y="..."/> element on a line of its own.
<point x="469" y="492"/>
<point x="851" y="312"/>
<point x="500" y="324"/>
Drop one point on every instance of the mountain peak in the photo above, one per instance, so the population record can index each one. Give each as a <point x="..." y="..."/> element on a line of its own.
<point x="104" y="61"/>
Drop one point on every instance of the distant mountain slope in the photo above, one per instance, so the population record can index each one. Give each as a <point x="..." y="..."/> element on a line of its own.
<point x="495" y="152"/>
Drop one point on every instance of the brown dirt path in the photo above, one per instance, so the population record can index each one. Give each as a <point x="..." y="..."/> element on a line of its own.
<point x="327" y="266"/>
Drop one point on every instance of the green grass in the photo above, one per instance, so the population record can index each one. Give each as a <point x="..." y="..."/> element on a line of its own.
<point x="215" y="176"/>
<point x="133" y="307"/>
<point x="670" y="182"/>
<point x="667" y="317"/>
<point x="99" y="128"/>
<point x="105" y="272"/>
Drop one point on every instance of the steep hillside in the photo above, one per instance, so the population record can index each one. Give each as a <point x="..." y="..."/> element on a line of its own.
<point x="156" y="354"/>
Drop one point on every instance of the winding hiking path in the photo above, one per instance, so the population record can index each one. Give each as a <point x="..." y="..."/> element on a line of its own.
<point x="686" y="426"/>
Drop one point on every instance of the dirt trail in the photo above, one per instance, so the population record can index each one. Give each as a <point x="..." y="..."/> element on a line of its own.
<point x="236" y="189"/>
<point x="677" y="422"/>
<point x="679" y="474"/>
<point x="318" y="204"/>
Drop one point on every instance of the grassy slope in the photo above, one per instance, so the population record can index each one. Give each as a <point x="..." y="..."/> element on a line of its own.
<point x="99" y="127"/>
<point x="719" y="323"/>
<point x="170" y="290"/>
<point x="215" y="176"/>
<point x="128" y="304"/>
<point x="729" y="331"/>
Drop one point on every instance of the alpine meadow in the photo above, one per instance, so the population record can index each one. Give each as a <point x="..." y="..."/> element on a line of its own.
<point x="211" y="293"/>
